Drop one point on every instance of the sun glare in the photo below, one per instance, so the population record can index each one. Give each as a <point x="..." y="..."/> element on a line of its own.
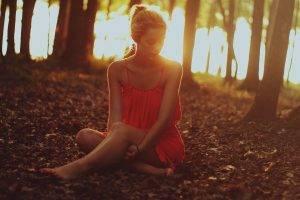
<point x="112" y="38"/>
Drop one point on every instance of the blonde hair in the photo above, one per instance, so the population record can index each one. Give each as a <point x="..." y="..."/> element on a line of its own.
<point x="143" y="18"/>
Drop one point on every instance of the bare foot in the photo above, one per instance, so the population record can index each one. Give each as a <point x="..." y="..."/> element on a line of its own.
<point x="62" y="173"/>
<point x="142" y="167"/>
<point x="169" y="172"/>
<point x="162" y="172"/>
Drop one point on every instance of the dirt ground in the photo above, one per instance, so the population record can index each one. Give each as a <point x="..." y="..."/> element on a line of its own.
<point x="224" y="159"/>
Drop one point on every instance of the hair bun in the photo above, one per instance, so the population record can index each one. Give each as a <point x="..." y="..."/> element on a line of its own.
<point x="136" y="9"/>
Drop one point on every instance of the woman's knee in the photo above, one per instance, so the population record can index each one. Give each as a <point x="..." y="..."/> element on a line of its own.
<point x="82" y="134"/>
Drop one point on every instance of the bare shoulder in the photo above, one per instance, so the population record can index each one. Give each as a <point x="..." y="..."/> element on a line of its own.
<point x="117" y="65"/>
<point x="115" y="68"/>
<point x="173" y="68"/>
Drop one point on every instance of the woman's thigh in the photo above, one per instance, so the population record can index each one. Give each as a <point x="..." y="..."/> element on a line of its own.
<point x="88" y="139"/>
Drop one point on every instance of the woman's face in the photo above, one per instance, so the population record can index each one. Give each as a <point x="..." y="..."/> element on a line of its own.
<point x="152" y="42"/>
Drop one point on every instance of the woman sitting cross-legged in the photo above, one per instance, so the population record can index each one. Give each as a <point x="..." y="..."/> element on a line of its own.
<point x="144" y="108"/>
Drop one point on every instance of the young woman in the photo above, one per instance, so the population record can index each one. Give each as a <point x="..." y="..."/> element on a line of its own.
<point x="144" y="108"/>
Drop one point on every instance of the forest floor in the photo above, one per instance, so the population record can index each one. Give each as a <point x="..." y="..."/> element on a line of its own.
<point x="224" y="159"/>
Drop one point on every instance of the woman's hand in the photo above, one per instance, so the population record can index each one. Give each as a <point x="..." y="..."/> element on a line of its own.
<point x="132" y="151"/>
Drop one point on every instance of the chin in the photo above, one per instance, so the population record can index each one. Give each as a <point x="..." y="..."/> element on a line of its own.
<point x="151" y="57"/>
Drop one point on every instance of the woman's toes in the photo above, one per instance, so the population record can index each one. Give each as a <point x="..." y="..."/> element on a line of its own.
<point x="169" y="172"/>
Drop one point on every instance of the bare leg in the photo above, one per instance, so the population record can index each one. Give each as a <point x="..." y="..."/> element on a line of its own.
<point x="140" y="166"/>
<point x="109" y="151"/>
<point x="88" y="139"/>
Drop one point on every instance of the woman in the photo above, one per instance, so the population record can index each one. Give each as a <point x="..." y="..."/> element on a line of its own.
<point x="144" y="108"/>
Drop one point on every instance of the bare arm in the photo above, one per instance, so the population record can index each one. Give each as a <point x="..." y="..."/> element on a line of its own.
<point x="167" y="107"/>
<point x="114" y="86"/>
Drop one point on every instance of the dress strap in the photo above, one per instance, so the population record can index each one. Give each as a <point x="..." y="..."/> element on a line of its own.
<point x="126" y="74"/>
<point x="161" y="75"/>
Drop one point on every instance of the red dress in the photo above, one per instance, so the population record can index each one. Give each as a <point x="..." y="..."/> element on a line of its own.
<point x="140" y="108"/>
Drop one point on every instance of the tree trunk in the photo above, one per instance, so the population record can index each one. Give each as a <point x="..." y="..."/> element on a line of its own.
<point x="211" y="23"/>
<point x="171" y="8"/>
<point x="61" y="31"/>
<point x="271" y="18"/>
<point x="74" y="44"/>
<point x="90" y="17"/>
<point x="28" y="7"/>
<point x="191" y="15"/>
<point x="230" y="34"/>
<point x="3" y="10"/>
<point x="11" y="28"/>
<point x="251" y="81"/>
<point x="265" y="103"/>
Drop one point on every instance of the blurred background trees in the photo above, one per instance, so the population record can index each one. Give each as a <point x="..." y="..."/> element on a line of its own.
<point x="191" y="13"/>
<point x="255" y="41"/>
<point x="266" y="99"/>
<point x="251" y="81"/>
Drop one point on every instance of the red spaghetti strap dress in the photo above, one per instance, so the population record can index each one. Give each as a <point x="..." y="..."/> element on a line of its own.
<point x="140" y="108"/>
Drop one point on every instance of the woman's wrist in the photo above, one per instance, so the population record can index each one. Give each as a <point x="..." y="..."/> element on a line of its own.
<point x="140" y="147"/>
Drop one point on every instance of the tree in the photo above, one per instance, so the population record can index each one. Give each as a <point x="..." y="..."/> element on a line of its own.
<point x="229" y="26"/>
<point x="191" y="15"/>
<point x="90" y="17"/>
<point x="271" y="18"/>
<point x="80" y="40"/>
<point x="171" y="8"/>
<point x="28" y="7"/>
<point x="3" y="9"/>
<point x="251" y="81"/>
<point x="61" y="31"/>
<point x="266" y="99"/>
<point x="239" y="8"/>
<point x="230" y="34"/>
<point x="211" y="23"/>
<point x="11" y="28"/>
<point x="74" y="43"/>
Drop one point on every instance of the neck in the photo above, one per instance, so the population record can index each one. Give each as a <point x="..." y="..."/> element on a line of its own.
<point x="142" y="60"/>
